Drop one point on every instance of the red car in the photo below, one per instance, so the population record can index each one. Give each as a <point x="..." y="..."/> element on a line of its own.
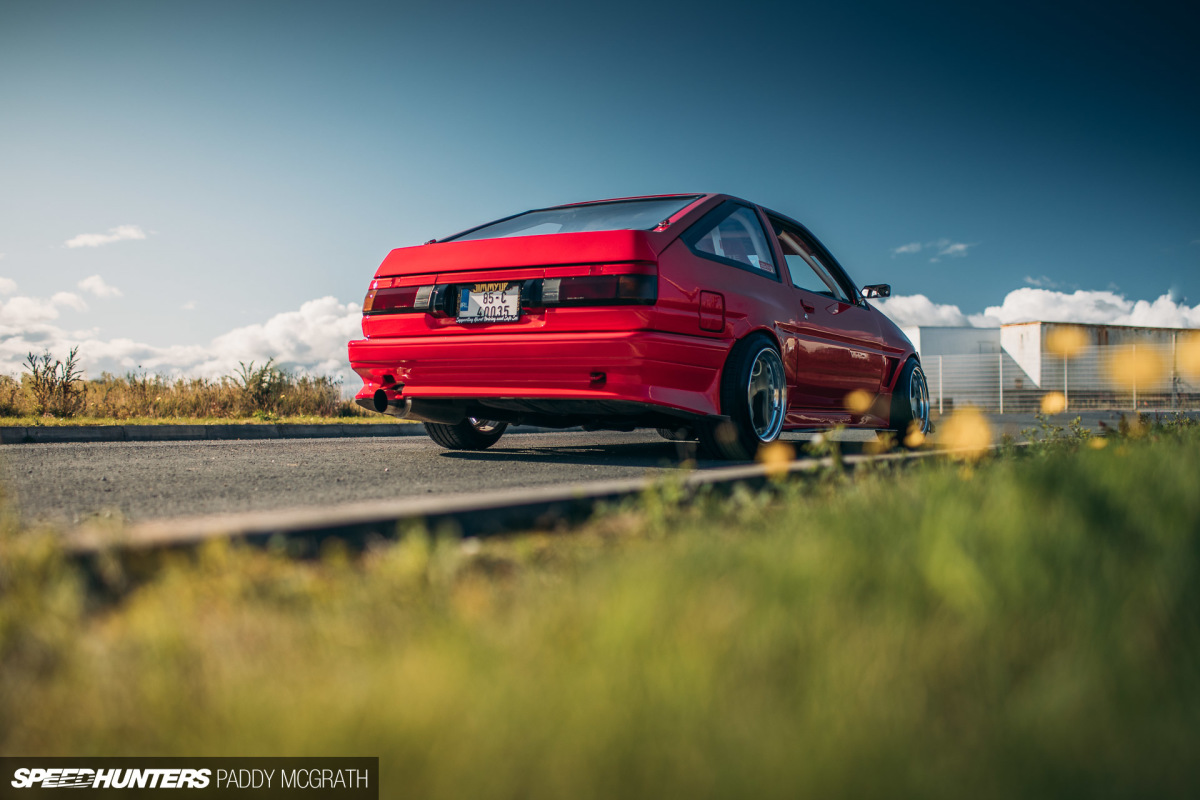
<point x="701" y="315"/>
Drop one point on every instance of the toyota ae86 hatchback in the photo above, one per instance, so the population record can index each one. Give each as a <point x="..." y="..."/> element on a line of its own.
<point x="701" y="315"/>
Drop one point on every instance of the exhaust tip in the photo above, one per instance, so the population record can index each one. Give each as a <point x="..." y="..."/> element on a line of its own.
<point x="381" y="401"/>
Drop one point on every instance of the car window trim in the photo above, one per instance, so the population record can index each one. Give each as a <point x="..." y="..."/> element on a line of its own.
<point x="831" y="263"/>
<point x="690" y="237"/>
<point x="833" y="288"/>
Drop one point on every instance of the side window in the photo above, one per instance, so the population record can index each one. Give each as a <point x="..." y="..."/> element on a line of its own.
<point x="732" y="234"/>
<point x="804" y="267"/>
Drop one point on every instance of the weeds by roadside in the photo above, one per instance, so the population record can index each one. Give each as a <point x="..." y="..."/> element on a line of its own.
<point x="55" y="389"/>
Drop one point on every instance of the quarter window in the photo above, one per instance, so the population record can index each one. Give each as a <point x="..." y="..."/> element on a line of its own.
<point x="733" y="234"/>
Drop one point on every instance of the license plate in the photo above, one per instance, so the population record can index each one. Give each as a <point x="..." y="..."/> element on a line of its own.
<point x="490" y="302"/>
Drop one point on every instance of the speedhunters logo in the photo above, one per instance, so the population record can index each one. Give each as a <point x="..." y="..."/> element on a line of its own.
<point x="258" y="777"/>
<point x="83" y="778"/>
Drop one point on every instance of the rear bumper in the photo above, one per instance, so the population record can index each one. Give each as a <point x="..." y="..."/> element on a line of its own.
<point x="665" y="370"/>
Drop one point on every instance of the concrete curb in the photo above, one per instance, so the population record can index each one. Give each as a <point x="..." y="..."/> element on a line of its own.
<point x="37" y="434"/>
<point x="477" y="514"/>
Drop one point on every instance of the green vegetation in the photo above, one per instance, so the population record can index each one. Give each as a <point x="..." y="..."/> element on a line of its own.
<point x="55" y="387"/>
<point x="1025" y="625"/>
<point x="51" y="390"/>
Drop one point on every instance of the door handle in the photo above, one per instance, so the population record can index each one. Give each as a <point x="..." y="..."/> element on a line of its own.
<point x="807" y="308"/>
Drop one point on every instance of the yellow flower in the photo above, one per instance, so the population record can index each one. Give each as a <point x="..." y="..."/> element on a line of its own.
<point x="775" y="457"/>
<point x="1054" y="403"/>
<point x="859" y="401"/>
<point x="915" y="436"/>
<point x="1066" y="341"/>
<point x="1140" y="366"/>
<point x="967" y="433"/>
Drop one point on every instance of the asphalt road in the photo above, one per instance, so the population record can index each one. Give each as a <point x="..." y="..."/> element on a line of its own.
<point x="68" y="483"/>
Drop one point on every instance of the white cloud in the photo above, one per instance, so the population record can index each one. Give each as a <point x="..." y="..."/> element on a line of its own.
<point x="311" y="339"/>
<point x="20" y="314"/>
<point x="1041" y="282"/>
<point x="96" y="285"/>
<point x="1094" y="307"/>
<point x="955" y="249"/>
<point x="1044" y="305"/>
<point x="70" y="300"/>
<point x="1030" y="304"/>
<point x="7" y="286"/>
<point x="944" y="247"/>
<point x="190" y="305"/>
<point x="917" y="309"/>
<point x="118" y="234"/>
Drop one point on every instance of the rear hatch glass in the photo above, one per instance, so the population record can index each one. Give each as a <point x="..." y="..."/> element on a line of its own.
<point x="612" y="215"/>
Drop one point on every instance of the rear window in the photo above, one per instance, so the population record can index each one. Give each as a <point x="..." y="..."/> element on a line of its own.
<point x="622" y="215"/>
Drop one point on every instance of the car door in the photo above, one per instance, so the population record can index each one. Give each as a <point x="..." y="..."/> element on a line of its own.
<point x="835" y="345"/>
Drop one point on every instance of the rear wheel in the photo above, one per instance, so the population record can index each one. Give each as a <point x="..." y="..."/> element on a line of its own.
<point x="910" y="403"/>
<point x="470" y="434"/>
<point x="753" y="397"/>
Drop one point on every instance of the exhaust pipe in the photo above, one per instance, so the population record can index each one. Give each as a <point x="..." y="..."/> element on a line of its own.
<point x="447" y="412"/>
<point x="398" y="407"/>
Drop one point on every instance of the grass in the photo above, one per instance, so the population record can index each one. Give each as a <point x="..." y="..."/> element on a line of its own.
<point x="1024" y="626"/>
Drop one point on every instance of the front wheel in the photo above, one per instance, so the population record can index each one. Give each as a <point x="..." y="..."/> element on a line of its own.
<point x="470" y="434"/>
<point x="910" y="403"/>
<point x="753" y="396"/>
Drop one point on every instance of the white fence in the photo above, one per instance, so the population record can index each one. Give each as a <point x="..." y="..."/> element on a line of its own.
<point x="1142" y="377"/>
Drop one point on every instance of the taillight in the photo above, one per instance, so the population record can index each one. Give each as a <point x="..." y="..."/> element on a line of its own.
<point x="392" y="300"/>
<point x="399" y="299"/>
<point x="600" y="290"/>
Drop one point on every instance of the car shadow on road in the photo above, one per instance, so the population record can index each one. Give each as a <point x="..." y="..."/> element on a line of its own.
<point x="651" y="455"/>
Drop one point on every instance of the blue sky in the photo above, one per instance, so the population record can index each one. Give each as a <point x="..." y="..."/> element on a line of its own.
<point x="271" y="154"/>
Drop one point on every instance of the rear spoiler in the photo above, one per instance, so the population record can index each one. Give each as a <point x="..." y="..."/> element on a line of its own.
<point x="596" y="247"/>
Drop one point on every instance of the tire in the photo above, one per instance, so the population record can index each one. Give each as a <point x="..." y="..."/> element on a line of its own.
<point x="681" y="434"/>
<point x="470" y="434"/>
<point x="753" y="397"/>
<point x="910" y="402"/>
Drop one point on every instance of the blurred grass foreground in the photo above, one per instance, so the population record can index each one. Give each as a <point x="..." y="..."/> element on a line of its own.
<point x="1026" y="625"/>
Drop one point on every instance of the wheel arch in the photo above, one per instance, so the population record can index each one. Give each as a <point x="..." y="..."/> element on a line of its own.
<point x="901" y="363"/>
<point x="761" y="330"/>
